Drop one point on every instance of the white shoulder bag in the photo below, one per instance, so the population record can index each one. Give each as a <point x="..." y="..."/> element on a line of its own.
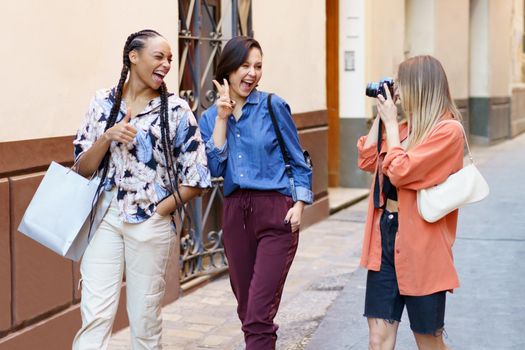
<point x="463" y="187"/>
<point x="58" y="216"/>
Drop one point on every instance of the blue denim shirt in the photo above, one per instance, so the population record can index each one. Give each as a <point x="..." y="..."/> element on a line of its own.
<point x="251" y="157"/>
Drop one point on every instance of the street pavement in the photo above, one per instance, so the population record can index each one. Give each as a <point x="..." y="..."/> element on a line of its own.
<point x="323" y="298"/>
<point x="327" y="255"/>
<point x="488" y="310"/>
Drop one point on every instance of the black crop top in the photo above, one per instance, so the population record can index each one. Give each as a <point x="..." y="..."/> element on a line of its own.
<point x="389" y="190"/>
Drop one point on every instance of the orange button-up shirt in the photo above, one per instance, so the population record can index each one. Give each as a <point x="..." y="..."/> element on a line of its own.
<point x="423" y="251"/>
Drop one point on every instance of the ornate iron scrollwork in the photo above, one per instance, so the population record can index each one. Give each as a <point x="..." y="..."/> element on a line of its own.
<point x="202" y="24"/>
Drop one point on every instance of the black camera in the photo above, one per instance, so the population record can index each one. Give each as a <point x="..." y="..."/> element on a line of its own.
<point x="374" y="89"/>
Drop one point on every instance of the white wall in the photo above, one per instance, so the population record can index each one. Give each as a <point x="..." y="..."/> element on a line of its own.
<point x="292" y="36"/>
<point x="56" y="53"/>
<point x="352" y="42"/>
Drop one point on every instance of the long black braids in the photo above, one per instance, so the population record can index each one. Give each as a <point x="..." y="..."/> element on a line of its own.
<point x="136" y="41"/>
<point x="166" y="147"/>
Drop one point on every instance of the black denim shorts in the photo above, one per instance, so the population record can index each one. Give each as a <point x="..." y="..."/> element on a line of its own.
<point x="383" y="301"/>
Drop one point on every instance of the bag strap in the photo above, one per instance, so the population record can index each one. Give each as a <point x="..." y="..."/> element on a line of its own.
<point x="464" y="135"/>
<point x="279" y="137"/>
<point x="286" y="158"/>
<point x="76" y="165"/>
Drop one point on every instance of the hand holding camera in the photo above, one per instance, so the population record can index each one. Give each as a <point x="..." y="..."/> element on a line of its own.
<point x="384" y="92"/>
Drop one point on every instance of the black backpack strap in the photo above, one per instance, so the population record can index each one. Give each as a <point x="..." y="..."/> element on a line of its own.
<point x="280" y="140"/>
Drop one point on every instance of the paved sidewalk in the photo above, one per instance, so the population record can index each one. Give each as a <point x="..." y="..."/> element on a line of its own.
<point x="206" y="318"/>
<point x="323" y="297"/>
<point x="488" y="310"/>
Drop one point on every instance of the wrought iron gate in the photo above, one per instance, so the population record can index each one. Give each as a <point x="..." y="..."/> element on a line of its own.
<point x="204" y="25"/>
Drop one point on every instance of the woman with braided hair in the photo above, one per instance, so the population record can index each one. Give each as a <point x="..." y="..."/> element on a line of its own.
<point x="146" y="147"/>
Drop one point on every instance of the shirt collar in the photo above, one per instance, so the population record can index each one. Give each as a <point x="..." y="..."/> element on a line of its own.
<point x="152" y="104"/>
<point x="253" y="97"/>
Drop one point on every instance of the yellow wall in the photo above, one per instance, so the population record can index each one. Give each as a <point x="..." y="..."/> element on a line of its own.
<point x="479" y="58"/>
<point x="385" y="32"/>
<point x="292" y="36"/>
<point x="420" y="23"/>
<point x="441" y="28"/>
<point x="517" y="43"/>
<point x="56" y="53"/>
<point x="451" y="47"/>
<point x="500" y="36"/>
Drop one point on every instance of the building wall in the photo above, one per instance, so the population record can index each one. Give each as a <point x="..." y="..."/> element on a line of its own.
<point x="518" y="67"/>
<point x="479" y="79"/>
<point x="374" y="30"/>
<point x="491" y="53"/>
<point x="39" y="297"/>
<point x="517" y="41"/>
<point x="70" y="50"/>
<point x="385" y="33"/>
<point x="420" y="23"/>
<point x="292" y="36"/>
<point x="451" y="33"/>
<point x="61" y="52"/>
<point x="441" y="29"/>
<point x="500" y="38"/>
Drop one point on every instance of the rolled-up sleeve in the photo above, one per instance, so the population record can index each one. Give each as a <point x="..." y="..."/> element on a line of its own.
<point x="429" y="163"/>
<point x="219" y="153"/>
<point x="366" y="156"/>
<point x="217" y="156"/>
<point x="301" y="171"/>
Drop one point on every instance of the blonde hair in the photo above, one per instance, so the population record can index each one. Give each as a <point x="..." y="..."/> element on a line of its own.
<point x="425" y="96"/>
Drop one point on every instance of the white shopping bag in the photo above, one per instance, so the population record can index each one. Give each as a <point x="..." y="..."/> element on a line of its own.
<point x="58" y="216"/>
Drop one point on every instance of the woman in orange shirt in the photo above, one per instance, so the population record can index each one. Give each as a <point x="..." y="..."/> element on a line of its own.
<point x="410" y="260"/>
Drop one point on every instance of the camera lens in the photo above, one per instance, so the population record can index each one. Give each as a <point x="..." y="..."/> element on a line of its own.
<point x="372" y="90"/>
<point x="387" y="80"/>
<point x="375" y="89"/>
<point x="390" y="83"/>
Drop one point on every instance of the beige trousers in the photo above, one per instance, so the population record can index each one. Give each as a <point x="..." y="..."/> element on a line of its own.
<point x="143" y="251"/>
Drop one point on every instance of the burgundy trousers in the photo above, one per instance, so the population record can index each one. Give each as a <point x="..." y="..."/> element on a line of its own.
<point x="260" y="248"/>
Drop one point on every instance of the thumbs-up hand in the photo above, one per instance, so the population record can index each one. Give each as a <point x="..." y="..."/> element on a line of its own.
<point x="122" y="131"/>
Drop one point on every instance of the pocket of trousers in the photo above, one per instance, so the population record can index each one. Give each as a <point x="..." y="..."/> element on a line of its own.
<point x="157" y="216"/>
<point x="154" y="299"/>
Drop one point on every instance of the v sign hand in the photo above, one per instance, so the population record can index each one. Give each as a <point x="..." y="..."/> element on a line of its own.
<point x="225" y="104"/>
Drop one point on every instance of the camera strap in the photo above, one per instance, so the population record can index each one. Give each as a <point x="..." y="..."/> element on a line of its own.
<point x="286" y="158"/>
<point x="377" y="189"/>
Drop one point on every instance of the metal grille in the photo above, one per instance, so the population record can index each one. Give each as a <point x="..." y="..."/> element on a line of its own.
<point x="204" y="25"/>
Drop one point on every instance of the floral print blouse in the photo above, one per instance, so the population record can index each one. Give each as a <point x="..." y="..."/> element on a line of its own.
<point x="138" y="169"/>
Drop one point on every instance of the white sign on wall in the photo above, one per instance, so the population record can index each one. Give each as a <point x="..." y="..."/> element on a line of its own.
<point x="351" y="59"/>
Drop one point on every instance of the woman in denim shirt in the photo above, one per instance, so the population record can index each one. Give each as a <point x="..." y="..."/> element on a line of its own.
<point x="261" y="220"/>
